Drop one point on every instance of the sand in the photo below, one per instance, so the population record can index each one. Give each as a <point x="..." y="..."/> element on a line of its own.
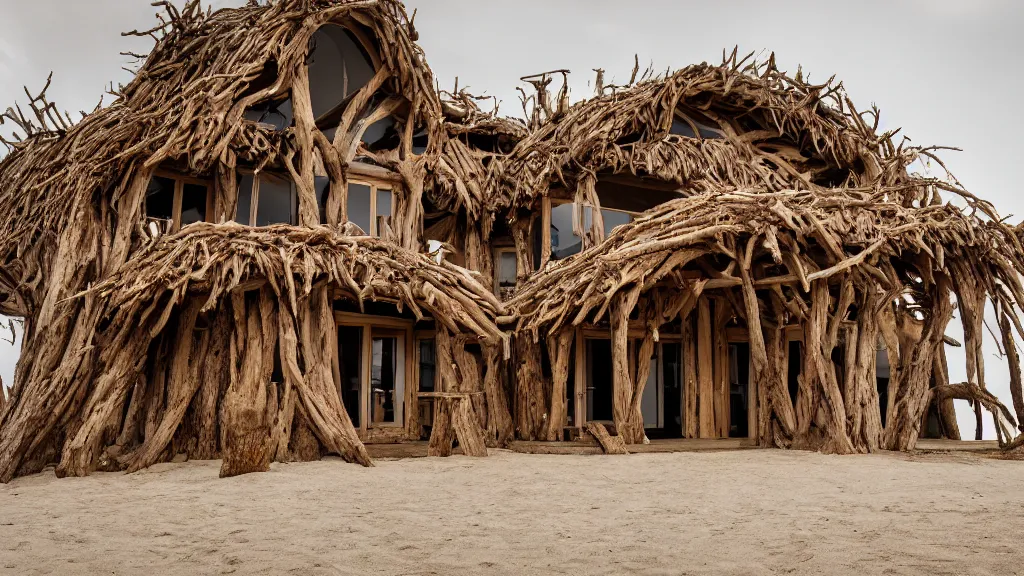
<point x="743" y="512"/>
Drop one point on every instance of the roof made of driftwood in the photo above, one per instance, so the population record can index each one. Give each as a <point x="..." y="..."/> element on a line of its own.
<point x="791" y="238"/>
<point x="214" y="259"/>
<point x="780" y="133"/>
<point x="187" y="102"/>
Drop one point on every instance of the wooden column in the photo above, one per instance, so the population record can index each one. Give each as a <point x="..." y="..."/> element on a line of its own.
<point x="721" y="362"/>
<point x="705" y="371"/>
<point x="559" y="347"/>
<point x="689" y="395"/>
<point x="622" y="387"/>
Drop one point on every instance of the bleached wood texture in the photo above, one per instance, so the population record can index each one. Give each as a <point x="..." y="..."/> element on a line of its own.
<point x="798" y="217"/>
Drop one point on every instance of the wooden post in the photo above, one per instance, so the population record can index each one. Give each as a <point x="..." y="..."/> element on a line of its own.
<point x="689" y="395"/>
<point x="705" y="370"/>
<point x="622" y="386"/>
<point x="559" y="347"/>
<point x="721" y="369"/>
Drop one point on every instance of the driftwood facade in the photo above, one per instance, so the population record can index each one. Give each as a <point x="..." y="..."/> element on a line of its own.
<point x="282" y="241"/>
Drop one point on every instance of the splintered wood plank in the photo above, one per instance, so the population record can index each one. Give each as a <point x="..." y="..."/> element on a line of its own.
<point x="705" y="371"/>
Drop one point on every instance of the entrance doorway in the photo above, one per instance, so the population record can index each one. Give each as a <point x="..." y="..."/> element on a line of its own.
<point x="375" y="372"/>
<point x="599" y="380"/>
<point x="387" y="378"/>
<point x="740" y="402"/>
<point x="661" y="404"/>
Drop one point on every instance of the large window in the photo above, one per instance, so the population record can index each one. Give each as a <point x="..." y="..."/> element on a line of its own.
<point x="273" y="113"/>
<point x="339" y="66"/>
<point x="176" y="201"/>
<point x="370" y="206"/>
<point x="266" y="199"/>
<point x="692" y="124"/>
<point x="376" y="369"/>
<point x="565" y="242"/>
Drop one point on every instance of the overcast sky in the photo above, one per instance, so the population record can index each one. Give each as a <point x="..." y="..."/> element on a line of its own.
<point x="946" y="71"/>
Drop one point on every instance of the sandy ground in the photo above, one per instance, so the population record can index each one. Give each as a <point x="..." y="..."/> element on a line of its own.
<point x="746" y="512"/>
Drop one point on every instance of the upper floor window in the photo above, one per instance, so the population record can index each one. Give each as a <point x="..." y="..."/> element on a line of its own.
<point x="339" y="65"/>
<point x="177" y="201"/>
<point x="564" y="241"/>
<point x="275" y="113"/>
<point x="371" y="205"/>
<point x="694" y="125"/>
<point x="266" y="199"/>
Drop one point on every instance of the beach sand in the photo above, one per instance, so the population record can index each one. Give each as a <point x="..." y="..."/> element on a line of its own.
<point x="741" y="512"/>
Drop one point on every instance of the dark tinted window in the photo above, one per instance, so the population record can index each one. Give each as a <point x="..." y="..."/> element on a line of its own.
<point x="427" y="366"/>
<point x="244" y="199"/>
<point x="160" y="198"/>
<point x="193" y="204"/>
<point x="323" y="188"/>
<point x="384" y="208"/>
<point x="359" y="206"/>
<point x="338" y="67"/>
<point x="276" y="201"/>
<point x="382" y="135"/>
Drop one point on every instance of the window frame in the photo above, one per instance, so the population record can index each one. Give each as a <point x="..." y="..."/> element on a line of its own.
<point x="548" y="204"/>
<point x="684" y="117"/>
<point x="371" y="50"/>
<point x="180" y="180"/>
<point x="498" y="251"/>
<point x="374" y="186"/>
<point x="380" y="325"/>
<point x="254" y="197"/>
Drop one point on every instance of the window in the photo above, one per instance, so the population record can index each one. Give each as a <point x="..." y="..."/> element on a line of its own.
<point x="323" y="190"/>
<point x="382" y="135"/>
<point x="684" y="124"/>
<point x="266" y="200"/>
<point x="428" y="366"/>
<point x="277" y="114"/>
<point x="177" y="201"/>
<point x="350" y="345"/>
<point x="339" y="66"/>
<point x="160" y="198"/>
<point x="505" y="271"/>
<point x="387" y="378"/>
<point x="565" y="242"/>
<point x="370" y="206"/>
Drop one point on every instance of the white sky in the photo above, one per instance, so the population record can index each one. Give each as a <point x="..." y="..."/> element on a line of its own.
<point x="946" y="71"/>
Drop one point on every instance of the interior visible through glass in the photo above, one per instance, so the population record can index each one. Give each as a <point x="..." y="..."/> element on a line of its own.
<point x="386" y="380"/>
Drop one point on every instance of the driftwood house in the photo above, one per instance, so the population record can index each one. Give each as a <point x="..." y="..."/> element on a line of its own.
<point x="282" y="241"/>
